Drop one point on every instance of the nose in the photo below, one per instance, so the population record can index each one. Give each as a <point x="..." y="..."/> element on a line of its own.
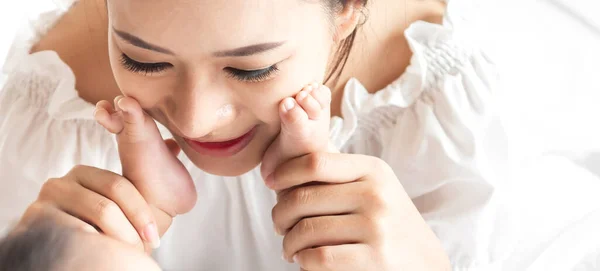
<point x="201" y="110"/>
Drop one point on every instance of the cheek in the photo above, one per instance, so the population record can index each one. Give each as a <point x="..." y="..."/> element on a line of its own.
<point x="146" y="90"/>
<point x="308" y="65"/>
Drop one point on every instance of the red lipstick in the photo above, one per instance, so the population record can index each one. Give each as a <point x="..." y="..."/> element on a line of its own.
<point x="222" y="148"/>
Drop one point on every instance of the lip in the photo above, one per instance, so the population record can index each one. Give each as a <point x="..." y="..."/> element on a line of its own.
<point x="223" y="148"/>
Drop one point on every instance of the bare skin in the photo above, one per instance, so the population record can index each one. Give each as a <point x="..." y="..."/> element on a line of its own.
<point x="382" y="43"/>
<point x="195" y="82"/>
<point x="380" y="54"/>
<point x="151" y="164"/>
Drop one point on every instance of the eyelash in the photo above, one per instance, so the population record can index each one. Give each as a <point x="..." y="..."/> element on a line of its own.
<point x="252" y="76"/>
<point x="241" y="75"/>
<point x="143" y="68"/>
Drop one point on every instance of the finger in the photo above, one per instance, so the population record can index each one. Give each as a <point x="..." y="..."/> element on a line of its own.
<point x="326" y="231"/>
<point x="315" y="200"/>
<point x="322" y="95"/>
<point x="107" y="117"/>
<point x="342" y="257"/>
<point x="308" y="103"/>
<point x="122" y="192"/>
<point x="40" y="211"/>
<point x="323" y="167"/>
<point x="98" y="210"/>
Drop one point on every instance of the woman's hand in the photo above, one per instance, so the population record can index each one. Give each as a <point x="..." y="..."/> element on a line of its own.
<point x="349" y="212"/>
<point x="89" y="196"/>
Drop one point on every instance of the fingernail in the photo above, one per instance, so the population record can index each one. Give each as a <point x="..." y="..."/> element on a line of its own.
<point x="288" y="104"/>
<point x="270" y="180"/>
<point x="295" y="258"/>
<point x="285" y="258"/>
<point x="277" y="232"/>
<point x="95" y="112"/>
<point x="119" y="104"/>
<point x="116" y="101"/>
<point x="151" y="235"/>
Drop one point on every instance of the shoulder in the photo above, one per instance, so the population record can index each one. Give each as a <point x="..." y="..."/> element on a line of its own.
<point x="450" y="82"/>
<point x="45" y="130"/>
<point x="433" y="125"/>
<point x="44" y="126"/>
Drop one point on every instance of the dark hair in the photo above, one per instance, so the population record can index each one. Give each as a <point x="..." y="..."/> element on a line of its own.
<point x="343" y="51"/>
<point x="41" y="247"/>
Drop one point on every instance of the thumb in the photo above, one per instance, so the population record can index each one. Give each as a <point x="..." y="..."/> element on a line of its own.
<point x="173" y="146"/>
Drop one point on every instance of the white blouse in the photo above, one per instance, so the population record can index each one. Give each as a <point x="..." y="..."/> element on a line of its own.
<point x="434" y="126"/>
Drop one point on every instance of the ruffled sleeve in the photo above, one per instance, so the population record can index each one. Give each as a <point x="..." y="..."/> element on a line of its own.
<point x="436" y="128"/>
<point x="45" y="128"/>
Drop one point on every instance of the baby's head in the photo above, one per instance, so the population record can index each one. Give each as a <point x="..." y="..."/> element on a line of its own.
<point x="215" y="70"/>
<point x="46" y="246"/>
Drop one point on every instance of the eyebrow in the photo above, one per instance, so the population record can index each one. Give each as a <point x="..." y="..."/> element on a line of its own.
<point x="249" y="50"/>
<point x="135" y="41"/>
<point x="238" y="52"/>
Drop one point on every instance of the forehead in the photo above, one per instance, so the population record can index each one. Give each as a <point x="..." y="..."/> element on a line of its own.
<point x="216" y="24"/>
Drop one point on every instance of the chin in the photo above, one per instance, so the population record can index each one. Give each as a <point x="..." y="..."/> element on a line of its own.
<point x="227" y="169"/>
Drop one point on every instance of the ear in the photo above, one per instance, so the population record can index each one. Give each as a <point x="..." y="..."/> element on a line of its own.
<point x="347" y="20"/>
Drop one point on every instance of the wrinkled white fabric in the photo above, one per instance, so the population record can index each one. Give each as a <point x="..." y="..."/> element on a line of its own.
<point x="434" y="126"/>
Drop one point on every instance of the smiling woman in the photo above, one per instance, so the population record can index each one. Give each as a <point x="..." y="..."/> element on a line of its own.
<point x="182" y="62"/>
<point x="182" y="76"/>
<point x="365" y="146"/>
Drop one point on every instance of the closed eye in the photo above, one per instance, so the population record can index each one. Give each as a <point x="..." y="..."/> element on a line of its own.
<point x="141" y="67"/>
<point x="252" y="75"/>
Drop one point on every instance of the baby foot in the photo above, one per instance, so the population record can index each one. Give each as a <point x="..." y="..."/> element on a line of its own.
<point x="148" y="162"/>
<point x="304" y="127"/>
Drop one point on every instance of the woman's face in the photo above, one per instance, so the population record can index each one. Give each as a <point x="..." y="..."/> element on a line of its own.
<point x="213" y="71"/>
